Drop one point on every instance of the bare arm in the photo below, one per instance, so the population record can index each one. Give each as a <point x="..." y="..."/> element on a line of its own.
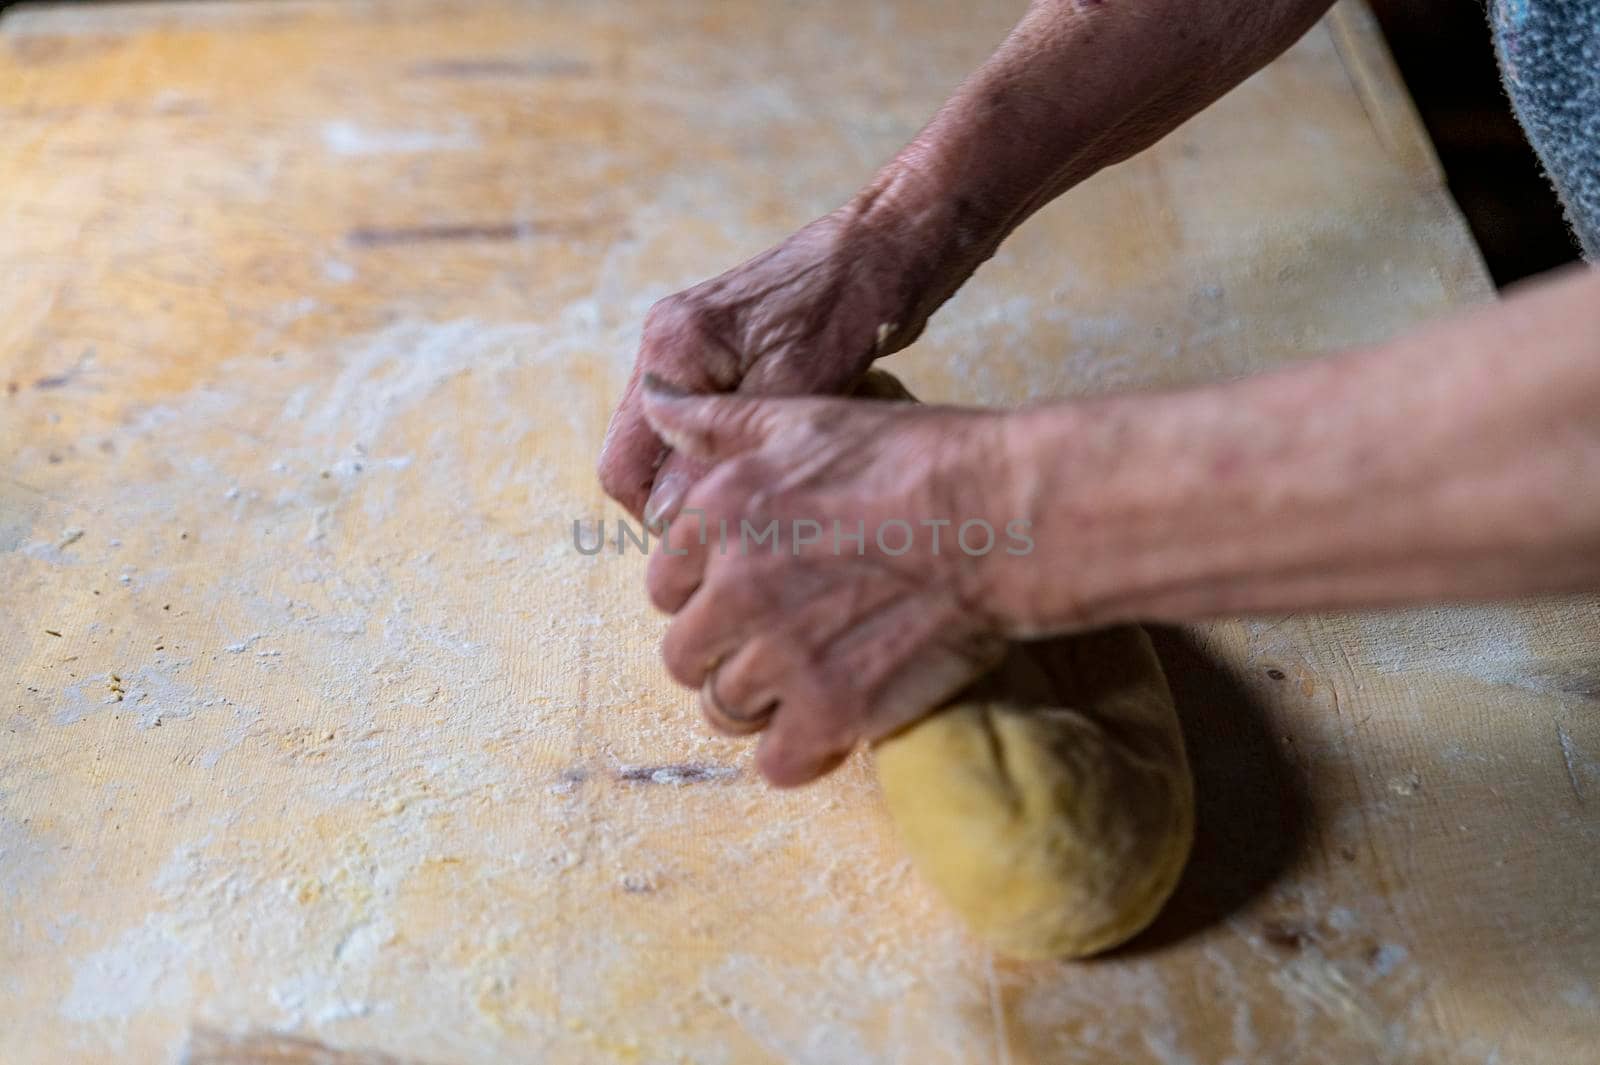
<point x="1461" y="462"/>
<point x="1458" y="462"/>
<point x="1078" y="85"/>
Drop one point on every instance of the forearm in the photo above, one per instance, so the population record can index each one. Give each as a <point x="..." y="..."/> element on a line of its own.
<point x="1078" y="85"/>
<point x="1462" y="462"/>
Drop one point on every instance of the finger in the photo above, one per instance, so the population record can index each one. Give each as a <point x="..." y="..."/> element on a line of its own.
<point x="689" y="541"/>
<point x="810" y="729"/>
<point x="631" y="453"/>
<point x="693" y="648"/>
<point x="673" y="347"/>
<point x="929" y="679"/>
<point x="770" y="593"/>
<point x="906" y="660"/>
<point x="739" y="696"/>
<point x="803" y="741"/>
<point x="771" y="378"/>
<point x="708" y="427"/>
<point x="677" y="476"/>
<point x="715" y="622"/>
<point x="678" y="565"/>
<point x="890" y="668"/>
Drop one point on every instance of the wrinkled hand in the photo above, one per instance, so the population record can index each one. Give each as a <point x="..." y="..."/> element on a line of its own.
<point x="816" y="639"/>
<point x="806" y="317"/>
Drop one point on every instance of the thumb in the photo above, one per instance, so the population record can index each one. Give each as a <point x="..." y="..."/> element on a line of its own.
<point x="707" y="427"/>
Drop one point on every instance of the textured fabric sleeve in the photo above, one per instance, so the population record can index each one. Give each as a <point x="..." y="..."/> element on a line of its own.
<point x="1550" y="58"/>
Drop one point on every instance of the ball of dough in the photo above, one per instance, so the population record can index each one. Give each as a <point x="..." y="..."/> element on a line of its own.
<point x="1051" y="804"/>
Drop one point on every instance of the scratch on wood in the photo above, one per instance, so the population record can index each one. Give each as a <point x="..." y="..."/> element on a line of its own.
<point x="45" y="49"/>
<point x="67" y="376"/>
<point x="379" y="236"/>
<point x="551" y="67"/>
<point x="683" y="773"/>
<point x="1582" y="680"/>
<point x="208" y="1047"/>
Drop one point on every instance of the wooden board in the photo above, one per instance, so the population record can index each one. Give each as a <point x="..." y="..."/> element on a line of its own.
<point x="321" y="742"/>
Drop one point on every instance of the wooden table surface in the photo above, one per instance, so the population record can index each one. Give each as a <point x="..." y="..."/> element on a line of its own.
<point x="319" y="733"/>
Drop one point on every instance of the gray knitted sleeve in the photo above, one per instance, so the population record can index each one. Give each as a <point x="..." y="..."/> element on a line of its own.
<point x="1550" y="58"/>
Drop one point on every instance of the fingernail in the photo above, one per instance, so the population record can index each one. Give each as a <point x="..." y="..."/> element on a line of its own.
<point x="660" y="386"/>
<point x="663" y="501"/>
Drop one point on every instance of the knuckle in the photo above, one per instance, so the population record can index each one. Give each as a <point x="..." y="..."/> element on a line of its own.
<point x="665" y="314"/>
<point x="674" y="323"/>
<point x="693" y="336"/>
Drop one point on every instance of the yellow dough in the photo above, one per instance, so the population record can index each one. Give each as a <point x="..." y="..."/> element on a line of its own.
<point x="1051" y="804"/>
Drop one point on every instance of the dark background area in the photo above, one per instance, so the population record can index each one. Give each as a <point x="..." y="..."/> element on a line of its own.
<point x="1446" y="56"/>
<point x="1445" y="52"/>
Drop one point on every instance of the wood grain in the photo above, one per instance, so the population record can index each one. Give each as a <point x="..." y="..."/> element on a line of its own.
<point x="208" y="1047"/>
<point x="316" y="723"/>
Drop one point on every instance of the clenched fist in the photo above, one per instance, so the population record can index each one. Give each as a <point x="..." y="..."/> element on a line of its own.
<point x="806" y="317"/>
<point x="836" y="575"/>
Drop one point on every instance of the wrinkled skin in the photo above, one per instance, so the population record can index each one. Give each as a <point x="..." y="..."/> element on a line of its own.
<point x="847" y="648"/>
<point x="806" y="317"/>
<point x="825" y="648"/>
<point x="1075" y="87"/>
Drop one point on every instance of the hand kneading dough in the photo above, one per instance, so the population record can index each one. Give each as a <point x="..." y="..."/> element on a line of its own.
<point x="1051" y="803"/>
